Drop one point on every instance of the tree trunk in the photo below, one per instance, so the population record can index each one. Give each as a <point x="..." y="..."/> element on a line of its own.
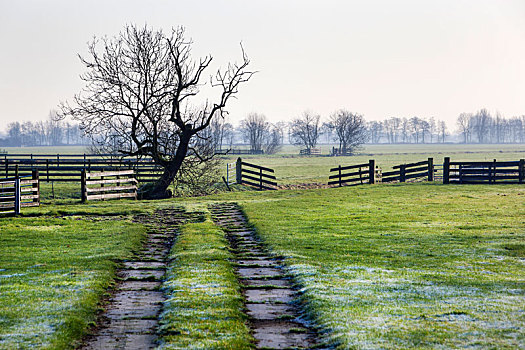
<point x="160" y="188"/>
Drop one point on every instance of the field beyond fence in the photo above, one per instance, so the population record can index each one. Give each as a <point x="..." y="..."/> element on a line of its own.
<point x="68" y="167"/>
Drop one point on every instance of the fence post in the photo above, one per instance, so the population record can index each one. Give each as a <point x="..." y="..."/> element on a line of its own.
<point x="260" y="179"/>
<point x="430" y="169"/>
<point x="16" y="170"/>
<point x="83" y="189"/>
<point x="402" y="173"/>
<point x="17" y="196"/>
<point x="446" y="170"/>
<point x="340" y="184"/>
<point x="36" y="186"/>
<point x="521" y="171"/>
<point x="372" y="171"/>
<point x="238" y="171"/>
<point x="47" y="169"/>
<point x="6" y="167"/>
<point x="492" y="172"/>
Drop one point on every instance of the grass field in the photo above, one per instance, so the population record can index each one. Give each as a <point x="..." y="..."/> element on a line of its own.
<point x="405" y="266"/>
<point x="53" y="272"/>
<point x="290" y="168"/>
<point x="204" y="306"/>
<point x="386" y="266"/>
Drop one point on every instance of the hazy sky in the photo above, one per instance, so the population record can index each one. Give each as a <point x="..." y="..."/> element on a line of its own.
<point x="379" y="58"/>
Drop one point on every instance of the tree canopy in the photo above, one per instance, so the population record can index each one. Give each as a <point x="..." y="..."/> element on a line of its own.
<point x="138" y="97"/>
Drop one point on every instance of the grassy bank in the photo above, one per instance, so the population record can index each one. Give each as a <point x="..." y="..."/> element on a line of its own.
<point x="384" y="266"/>
<point x="204" y="306"/>
<point x="408" y="266"/>
<point x="53" y="272"/>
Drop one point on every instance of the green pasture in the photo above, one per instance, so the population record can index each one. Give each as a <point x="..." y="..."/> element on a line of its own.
<point x="293" y="169"/>
<point x="54" y="270"/>
<point x="388" y="266"/>
<point x="204" y="306"/>
<point x="404" y="266"/>
<point x="46" y="150"/>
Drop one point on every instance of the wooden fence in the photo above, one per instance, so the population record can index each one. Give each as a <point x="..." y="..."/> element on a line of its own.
<point x="310" y="152"/>
<point x="404" y="172"/>
<point x="359" y="174"/>
<point x="238" y="151"/>
<point x="18" y="192"/>
<point x="67" y="167"/>
<point x="255" y="176"/>
<point x="505" y="172"/>
<point x="122" y="184"/>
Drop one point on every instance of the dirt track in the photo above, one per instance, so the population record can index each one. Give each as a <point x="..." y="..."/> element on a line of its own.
<point x="131" y="317"/>
<point x="274" y="318"/>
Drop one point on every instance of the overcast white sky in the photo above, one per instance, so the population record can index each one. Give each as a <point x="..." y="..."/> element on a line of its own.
<point x="379" y="58"/>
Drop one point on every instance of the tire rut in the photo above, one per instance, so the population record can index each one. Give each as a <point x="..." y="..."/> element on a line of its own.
<point x="269" y="295"/>
<point x="130" y="319"/>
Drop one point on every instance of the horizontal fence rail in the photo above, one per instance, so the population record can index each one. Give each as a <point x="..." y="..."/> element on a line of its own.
<point x="67" y="168"/>
<point x="255" y="176"/>
<point x="404" y="172"/>
<point x="310" y="152"/>
<point x="504" y="172"/>
<point x="18" y="192"/>
<point x="238" y="151"/>
<point x="108" y="185"/>
<point x="353" y="174"/>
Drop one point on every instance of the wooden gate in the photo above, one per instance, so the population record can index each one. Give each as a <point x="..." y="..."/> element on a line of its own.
<point x="506" y="172"/>
<point x="255" y="176"/>
<point x="18" y="192"/>
<point x="122" y="184"/>
<point x="359" y="174"/>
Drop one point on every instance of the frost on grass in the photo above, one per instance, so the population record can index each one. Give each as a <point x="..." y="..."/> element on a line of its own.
<point x="369" y="307"/>
<point x="37" y="304"/>
<point x="203" y="309"/>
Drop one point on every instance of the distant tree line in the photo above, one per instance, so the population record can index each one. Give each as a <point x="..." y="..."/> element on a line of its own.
<point x="50" y="132"/>
<point x="347" y="129"/>
<point x="482" y="127"/>
<point x="407" y="130"/>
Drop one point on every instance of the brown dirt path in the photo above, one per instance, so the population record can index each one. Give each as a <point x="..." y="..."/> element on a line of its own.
<point x="274" y="317"/>
<point x="131" y="315"/>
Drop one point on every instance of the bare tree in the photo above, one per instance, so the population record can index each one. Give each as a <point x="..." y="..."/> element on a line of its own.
<point x="220" y="131"/>
<point x="375" y="129"/>
<point x="137" y="93"/>
<point x="261" y="134"/>
<point x="254" y="127"/>
<point x="284" y="129"/>
<point x="425" y="129"/>
<point x="481" y="124"/>
<point x="54" y="128"/>
<point x="433" y="128"/>
<point x="442" y="130"/>
<point x="392" y="126"/>
<point x="304" y="131"/>
<point x="415" y="127"/>
<point x="405" y="130"/>
<point x="273" y="140"/>
<point x="464" y="123"/>
<point x="350" y="130"/>
<point x="14" y="133"/>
